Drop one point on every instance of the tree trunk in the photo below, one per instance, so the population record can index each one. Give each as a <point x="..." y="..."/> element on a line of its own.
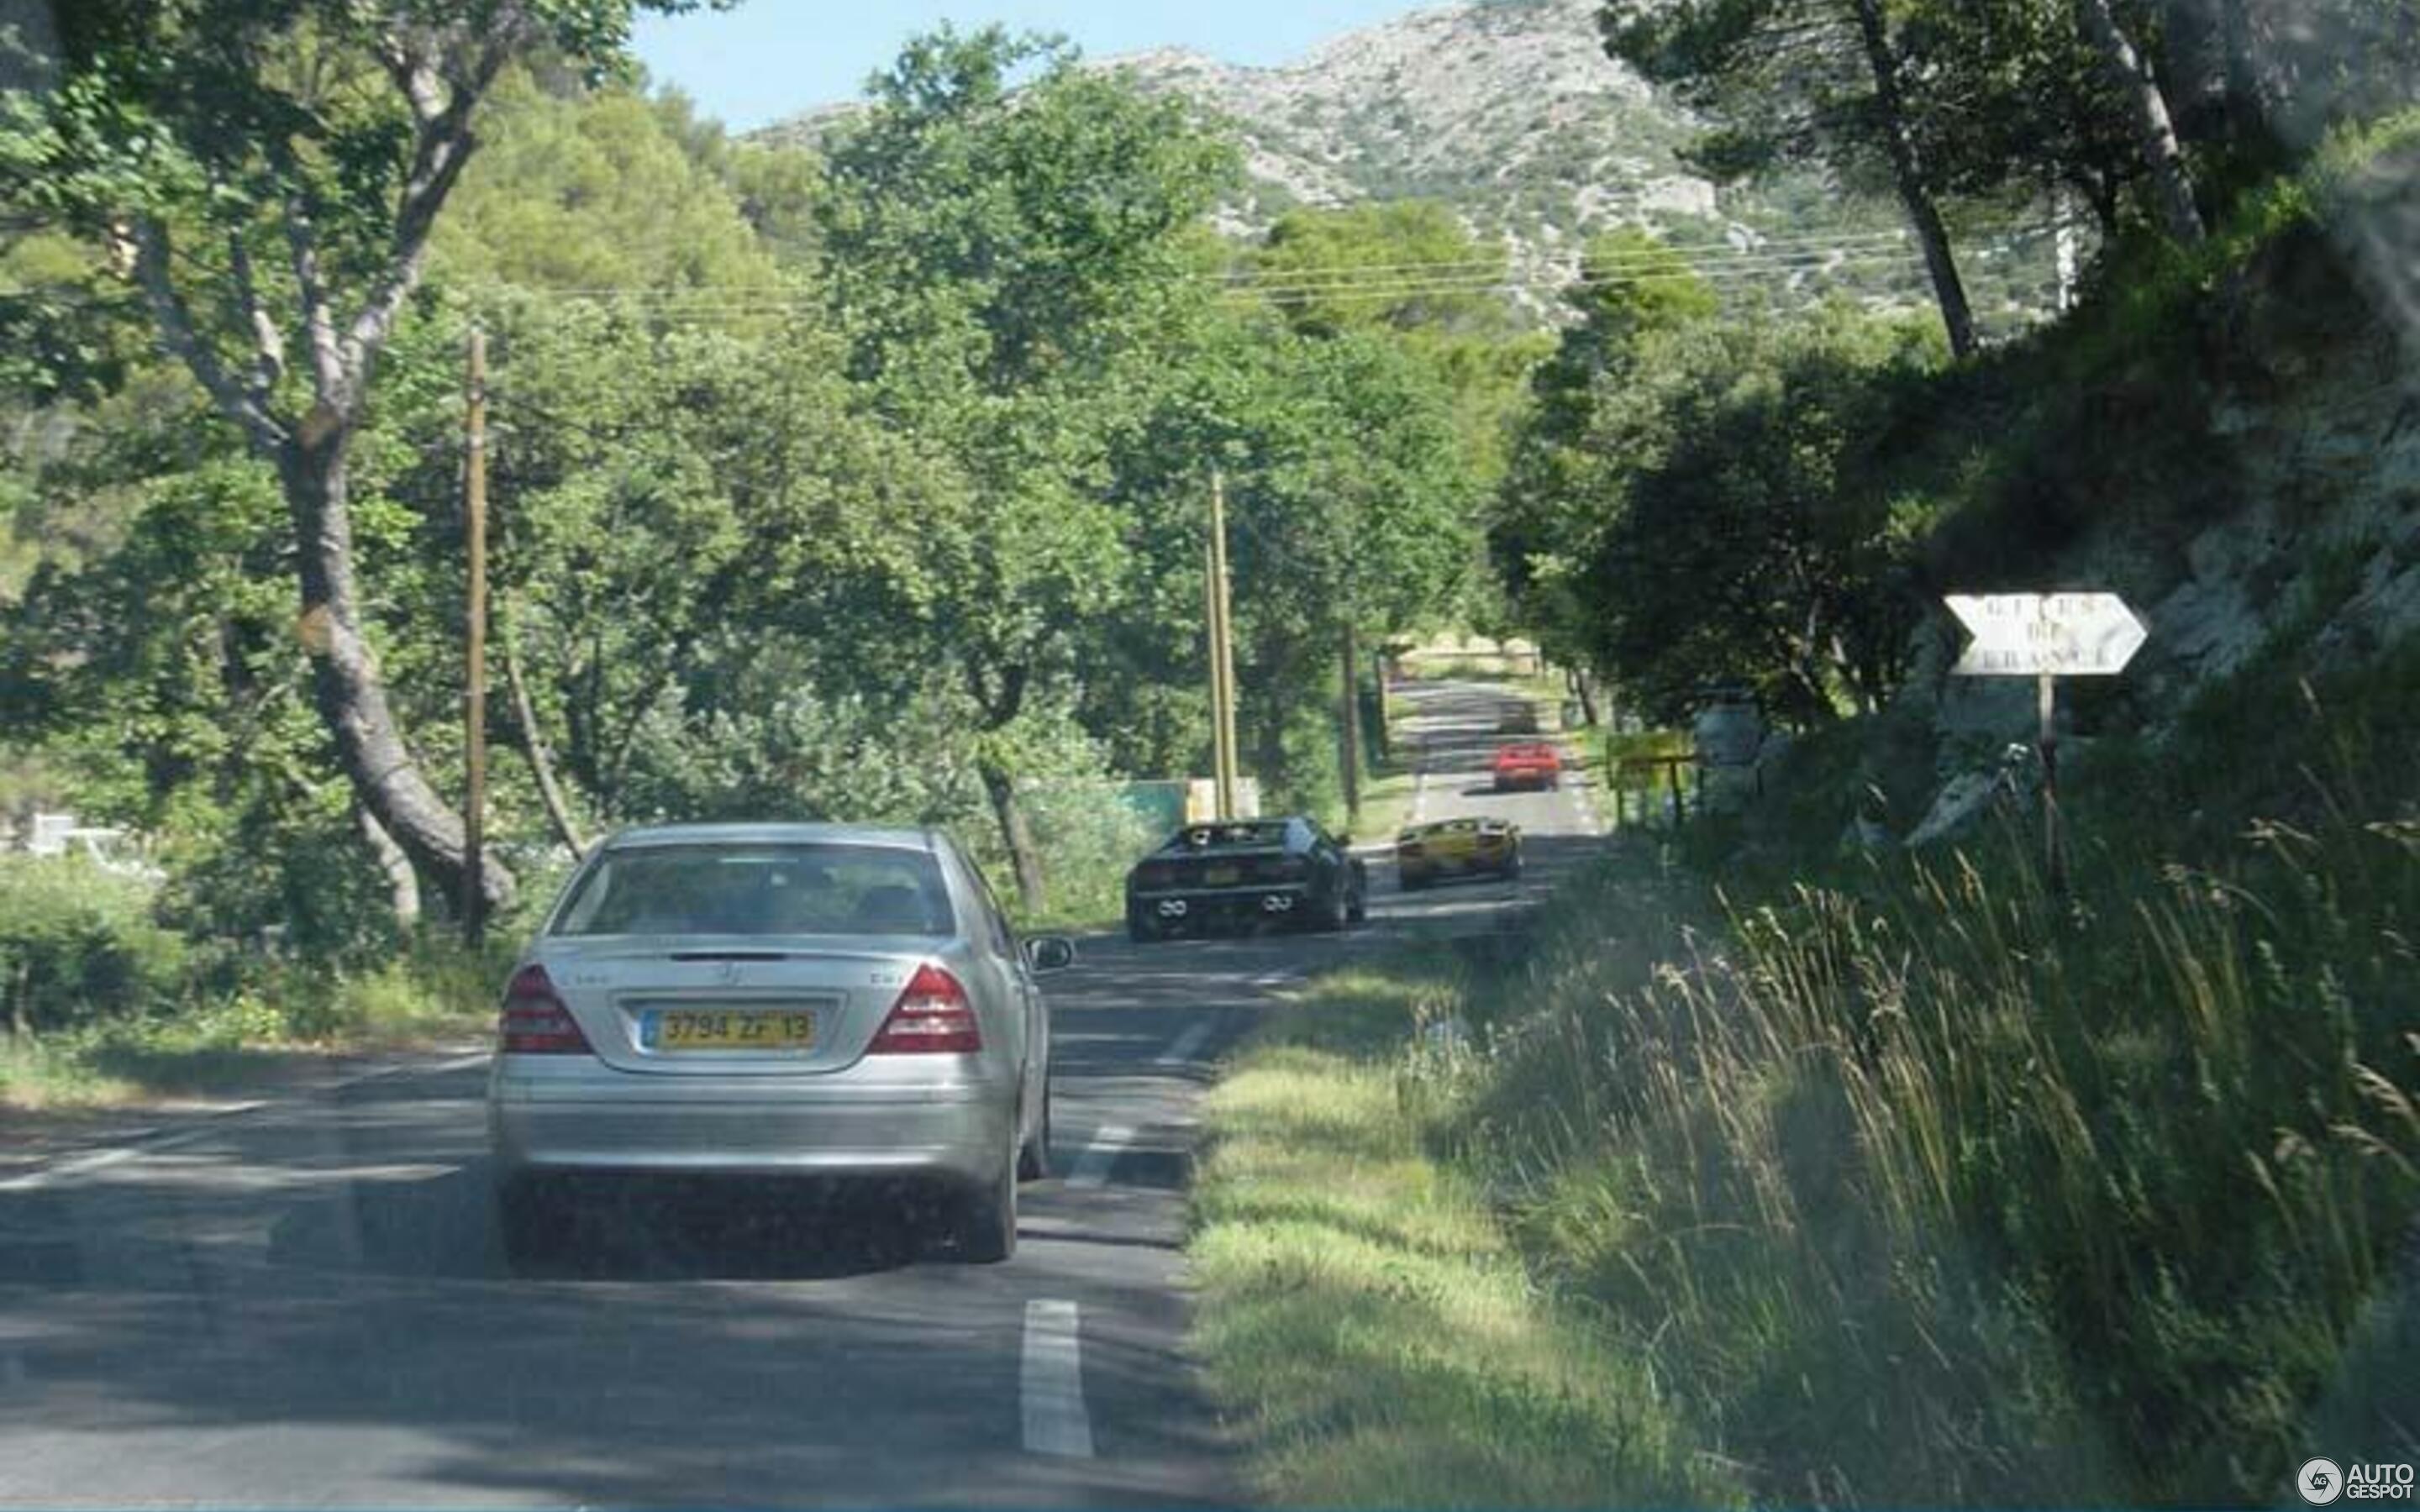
<point x="2194" y="63"/>
<point x="1349" y="727"/>
<point x="403" y="883"/>
<point x="533" y="746"/>
<point x="2155" y="133"/>
<point x="1577" y="682"/>
<point x="1923" y="216"/>
<point x="2247" y="95"/>
<point x="345" y="679"/>
<point x="1268" y="753"/>
<point x="1023" y="856"/>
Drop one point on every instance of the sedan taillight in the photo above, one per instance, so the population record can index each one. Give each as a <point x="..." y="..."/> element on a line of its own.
<point x="533" y="1020"/>
<point x="933" y="1016"/>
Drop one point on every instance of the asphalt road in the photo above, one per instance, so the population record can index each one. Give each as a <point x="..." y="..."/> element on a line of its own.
<point x="305" y="1304"/>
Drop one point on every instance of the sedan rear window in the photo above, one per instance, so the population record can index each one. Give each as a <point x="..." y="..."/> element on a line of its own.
<point x="759" y="889"/>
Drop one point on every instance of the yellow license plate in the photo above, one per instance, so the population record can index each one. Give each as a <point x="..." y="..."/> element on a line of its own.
<point x="672" y="1029"/>
<point x="1221" y="877"/>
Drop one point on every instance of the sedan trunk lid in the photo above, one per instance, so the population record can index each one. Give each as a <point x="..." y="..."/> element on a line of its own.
<point x="754" y="1004"/>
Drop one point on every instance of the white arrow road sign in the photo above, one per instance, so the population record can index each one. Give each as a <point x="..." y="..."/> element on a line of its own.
<point x="2026" y="635"/>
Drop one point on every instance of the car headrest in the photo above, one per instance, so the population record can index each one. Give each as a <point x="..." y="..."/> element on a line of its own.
<point x="892" y="909"/>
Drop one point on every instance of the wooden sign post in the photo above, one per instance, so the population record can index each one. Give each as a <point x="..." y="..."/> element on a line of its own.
<point x="2045" y="637"/>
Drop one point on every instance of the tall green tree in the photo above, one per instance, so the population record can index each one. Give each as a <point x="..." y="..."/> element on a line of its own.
<point x="994" y="257"/>
<point x="1367" y="289"/>
<point x="2018" y="102"/>
<point x="270" y="173"/>
<point x="1403" y="265"/>
<point x="584" y="189"/>
<point x="1632" y="296"/>
<point x="1822" y="81"/>
<point x="1748" y="539"/>
<point x="2147" y="103"/>
<point x="1411" y="269"/>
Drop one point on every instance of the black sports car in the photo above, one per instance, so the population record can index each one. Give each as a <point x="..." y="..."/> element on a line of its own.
<point x="1246" y="873"/>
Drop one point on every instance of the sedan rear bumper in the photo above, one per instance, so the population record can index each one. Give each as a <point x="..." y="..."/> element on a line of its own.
<point x="740" y="1127"/>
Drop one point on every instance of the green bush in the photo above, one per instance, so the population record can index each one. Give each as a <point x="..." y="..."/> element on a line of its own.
<point x="78" y="944"/>
<point x="1089" y="836"/>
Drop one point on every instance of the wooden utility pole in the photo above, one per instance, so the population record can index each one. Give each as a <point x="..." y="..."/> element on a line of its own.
<point x="1218" y="682"/>
<point x="1385" y="708"/>
<point x="1222" y="650"/>
<point x="474" y="678"/>
<point x="1349" y="665"/>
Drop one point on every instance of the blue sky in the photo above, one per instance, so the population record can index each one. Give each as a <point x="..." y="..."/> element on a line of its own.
<point x="770" y="59"/>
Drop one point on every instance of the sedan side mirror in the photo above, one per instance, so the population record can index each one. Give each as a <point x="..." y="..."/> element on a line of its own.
<point x="1051" y="952"/>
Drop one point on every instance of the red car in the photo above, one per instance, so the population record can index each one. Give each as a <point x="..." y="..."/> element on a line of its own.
<point x="1535" y="764"/>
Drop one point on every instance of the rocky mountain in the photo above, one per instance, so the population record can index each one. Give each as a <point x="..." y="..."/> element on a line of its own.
<point x="1508" y="110"/>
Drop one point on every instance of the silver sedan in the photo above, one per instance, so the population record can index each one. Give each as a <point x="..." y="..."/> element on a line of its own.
<point x="811" y="1000"/>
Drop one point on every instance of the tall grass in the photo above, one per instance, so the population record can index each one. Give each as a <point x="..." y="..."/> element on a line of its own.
<point x="1364" y="1323"/>
<point x="1934" y="1186"/>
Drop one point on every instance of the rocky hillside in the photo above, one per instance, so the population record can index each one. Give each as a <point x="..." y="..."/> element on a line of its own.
<point x="1507" y="109"/>
<point x="1510" y="112"/>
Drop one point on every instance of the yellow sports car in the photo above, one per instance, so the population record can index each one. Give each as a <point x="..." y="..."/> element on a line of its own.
<point x="1457" y="848"/>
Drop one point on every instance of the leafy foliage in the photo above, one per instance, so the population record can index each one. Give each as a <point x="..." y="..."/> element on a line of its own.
<point x="1747" y="550"/>
<point x="76" y="943"/>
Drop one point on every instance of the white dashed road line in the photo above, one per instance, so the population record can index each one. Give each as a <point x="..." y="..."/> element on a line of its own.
<point x="1050" y="1386"/>
<point x="140" y="1144"/>
<point x="79" y="1165"/>
<point x="1092" y="1165"/>
<point x="100" y="1160"/>
<point x="1186" y="1044"/>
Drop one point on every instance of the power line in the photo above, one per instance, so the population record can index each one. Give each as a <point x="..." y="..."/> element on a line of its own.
<point x="1657" y="254"/>
<point x="1411" y="291"/>
<point x="1362" y="283"/>
<point x="1655" y="249"/>
<point x="1721" y="253"/>
<point x="1742" y="270"/>
<point x="1804" y="257"/>
<point x="1791" y="263"/>
<point x="1782" y="261"/>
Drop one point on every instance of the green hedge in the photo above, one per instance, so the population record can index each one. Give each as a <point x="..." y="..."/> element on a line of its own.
<point x="78" y="944"/>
